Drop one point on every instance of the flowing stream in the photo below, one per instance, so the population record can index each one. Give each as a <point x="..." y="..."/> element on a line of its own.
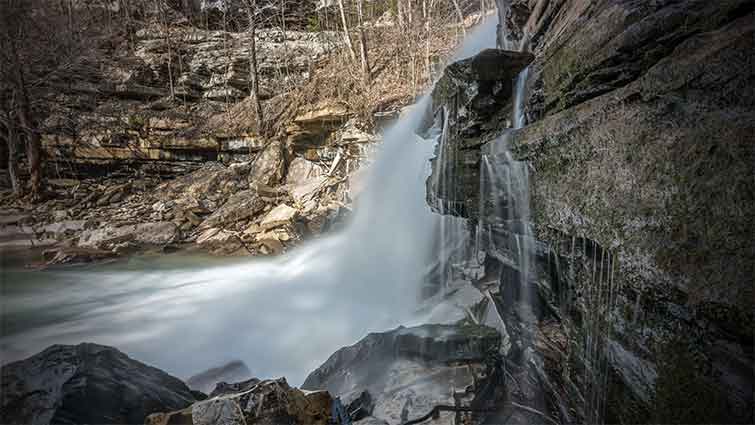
<point x="282" y="316"/>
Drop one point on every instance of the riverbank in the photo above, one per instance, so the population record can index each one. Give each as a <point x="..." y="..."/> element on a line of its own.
<point x="263" y="206"/>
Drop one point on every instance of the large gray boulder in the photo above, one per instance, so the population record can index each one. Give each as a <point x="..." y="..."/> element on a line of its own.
<point x="109" y="236"/>
<point x="86" y="383"/>
<point x="407" y="371"/>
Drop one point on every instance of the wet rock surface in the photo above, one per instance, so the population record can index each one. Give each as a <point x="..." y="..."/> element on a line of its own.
<point x="642" y="140"/>
<point x="408" y="371"/>
<point x="468" y="99"/>
<point x="638" y="135"/>
<point x="86" y="383"/>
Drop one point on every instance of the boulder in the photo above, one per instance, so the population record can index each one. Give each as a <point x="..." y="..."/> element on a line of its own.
<point x="300" y="171"/>
<point x="481" y="86"/>
<point x="219" y="241"/>
<point x="256" y="402"/>
<point x="269" y="167"/>
<point x="270" y="244"/>
<point x="157" y="233"/>
<point x="73" y="255"/>
<point x="278" y="216"/>
<point x="62" y="228"/>
<point x="407" y="371"/>
<point x="240" y="206"/>
<point x="234" y="371"/>
<point x="86" y="383"/>
<point x="303" y="192"/>
<point x="222" y="388"/>
<point x="324" y="112"/>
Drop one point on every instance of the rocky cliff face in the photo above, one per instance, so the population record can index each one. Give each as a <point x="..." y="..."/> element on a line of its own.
<point x="639" y="132"/>
<point x="164" y="100"/>
<point x="465" y="100"/>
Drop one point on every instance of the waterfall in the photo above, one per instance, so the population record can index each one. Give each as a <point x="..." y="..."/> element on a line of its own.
<point x="282" y="316"/>
<point x="504" y="231"/>
<point x="519" y="98"/>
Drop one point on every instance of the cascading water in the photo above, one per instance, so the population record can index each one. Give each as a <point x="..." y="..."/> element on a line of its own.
<point x="283" y="316"/>
<point x="454" y="236"/>
<point x="504" y="231"/>
<point x="592" y="347"/>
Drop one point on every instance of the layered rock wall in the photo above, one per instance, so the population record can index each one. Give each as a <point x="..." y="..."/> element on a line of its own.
<point x="165" y="100"/>
<point x="639" y="123"/>
<point x="641" y="138"/>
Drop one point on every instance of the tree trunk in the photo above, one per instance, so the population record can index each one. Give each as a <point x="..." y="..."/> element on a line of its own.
<point x="426" y="13"/>
<point x="460" y="16"/>
<point x="285" y="39"/>
<point x="12" y="142"/>
<point x="25" y="120"/>
<point x="253" y="73"/>
<point x="400" y="13"/>
<point x="346" y="36"/>
<point x="34" y="156"/>
<point x="363" y="45"/>
<point x="33" y="149"/>
<point x="168" y="41"/>
<point x="189" y="9"/>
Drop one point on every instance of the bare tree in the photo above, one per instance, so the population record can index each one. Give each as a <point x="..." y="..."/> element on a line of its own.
<point x="254" y="92"/>
<point x="460" y="15"/>
<point x="11" y="141"/>
<point x="15" y="15"/>
<point x="363" y="45"/>
<point x="346" y="35"/>
<point x="400" y="13"/>
<point x="43" y="49"/>
<point x="165" y="25"/>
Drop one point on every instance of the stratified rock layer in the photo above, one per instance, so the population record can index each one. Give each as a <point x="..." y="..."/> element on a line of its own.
<point x="470" y="96"/>
<point x="642" y="140"/>
<point x="639" y="130"/>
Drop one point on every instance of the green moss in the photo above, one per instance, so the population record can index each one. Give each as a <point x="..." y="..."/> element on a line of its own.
<point x="313" y="24"/>
<point x="135" y="122"/>
<point x="558" y="72"/>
